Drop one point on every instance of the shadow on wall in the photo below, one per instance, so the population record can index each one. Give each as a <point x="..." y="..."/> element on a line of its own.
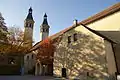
<point x="82" y="58"/>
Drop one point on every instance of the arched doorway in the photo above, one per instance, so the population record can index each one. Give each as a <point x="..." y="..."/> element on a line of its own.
<point x="47" y="69"/>
<point x="44" y="70"/>
<point x="38" y="69"/>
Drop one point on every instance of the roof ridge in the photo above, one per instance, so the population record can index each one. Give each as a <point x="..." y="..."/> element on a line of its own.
<point x="101" y="14"/>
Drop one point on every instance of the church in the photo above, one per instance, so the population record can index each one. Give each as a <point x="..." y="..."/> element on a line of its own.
<point x="30" y="58"/>
<point x="87" y="49"/>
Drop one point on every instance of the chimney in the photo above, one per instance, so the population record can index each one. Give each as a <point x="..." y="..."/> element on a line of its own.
<point x="75" y="22"/>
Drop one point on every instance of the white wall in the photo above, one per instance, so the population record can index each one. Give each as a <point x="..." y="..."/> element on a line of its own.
<point x="29" y="63"/>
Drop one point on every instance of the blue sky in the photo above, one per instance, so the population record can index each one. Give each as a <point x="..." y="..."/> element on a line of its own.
<point x="61" y="13"/>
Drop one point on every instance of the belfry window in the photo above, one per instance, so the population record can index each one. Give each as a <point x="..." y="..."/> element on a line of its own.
<point x="26" y="24"/>
<point x="30" y="25"/>
<point x="46" y="30"/>
<point x="43" y="30"/>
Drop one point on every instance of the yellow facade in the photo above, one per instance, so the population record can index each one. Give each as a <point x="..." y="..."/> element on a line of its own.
<point x="108" y="23"/>
<point x="90" y="56"/>
<point x="86" y="55"/>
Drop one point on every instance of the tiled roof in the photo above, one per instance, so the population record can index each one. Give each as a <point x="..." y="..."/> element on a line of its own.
<point x="100" y="15"/>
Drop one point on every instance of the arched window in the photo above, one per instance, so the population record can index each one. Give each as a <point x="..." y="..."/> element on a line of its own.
<point x="11" y="60"/>
<point x="30" y="25"/>
<point x="43" y="30"/>
<point x="27" y="57"/>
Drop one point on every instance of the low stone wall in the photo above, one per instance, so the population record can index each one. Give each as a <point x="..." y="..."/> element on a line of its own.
<point x="9" y="70"/>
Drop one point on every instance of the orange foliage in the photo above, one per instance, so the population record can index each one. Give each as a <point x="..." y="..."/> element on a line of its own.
<point x="46" y="50"/>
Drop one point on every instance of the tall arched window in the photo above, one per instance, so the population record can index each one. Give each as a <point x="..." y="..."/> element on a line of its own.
<point x="30" y="25"/>
<point x="43" y="30"/>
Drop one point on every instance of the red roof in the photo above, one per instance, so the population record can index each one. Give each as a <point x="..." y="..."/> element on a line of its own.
<point x="100" y="15"/>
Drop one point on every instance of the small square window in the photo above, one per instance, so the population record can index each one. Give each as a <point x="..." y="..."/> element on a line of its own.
<point x="69" y="39"/>
<point x="75" y="37"/>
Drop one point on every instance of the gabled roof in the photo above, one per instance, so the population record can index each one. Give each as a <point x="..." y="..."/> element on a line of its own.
<point x="100" y="15"/>
<point x="110" y="10"/>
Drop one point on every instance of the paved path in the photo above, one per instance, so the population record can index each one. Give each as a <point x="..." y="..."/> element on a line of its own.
<point x="26" y="77"/>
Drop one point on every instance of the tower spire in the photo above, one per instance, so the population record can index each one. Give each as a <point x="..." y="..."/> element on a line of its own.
<point x="45" y="15"/>
<point x="29" y="16"/>
<point x="45" y="19"/>
<point x="28" y="31"/>
<point x="44" y="28"/>
<point x="30" y="10"/>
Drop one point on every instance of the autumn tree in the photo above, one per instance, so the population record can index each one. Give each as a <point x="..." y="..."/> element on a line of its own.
<point x="15" y="41"/>
<point x="46" y="50"/>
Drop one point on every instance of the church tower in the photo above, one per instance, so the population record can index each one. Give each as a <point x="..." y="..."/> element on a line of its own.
<point x="28" y="29"/>
<point x="44" y="28"/>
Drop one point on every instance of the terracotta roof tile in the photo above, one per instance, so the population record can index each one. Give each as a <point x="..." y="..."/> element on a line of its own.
<point x="102" y="14"/>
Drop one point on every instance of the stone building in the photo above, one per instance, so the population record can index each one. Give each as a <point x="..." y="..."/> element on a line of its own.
<point x="43" y="67"/>
<point x="90" y="50"/>
<point x="30" y="62"/>
<point x="28" y="30"/>
<point x="44" y="28"/>
<point x="29" y="58"/>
